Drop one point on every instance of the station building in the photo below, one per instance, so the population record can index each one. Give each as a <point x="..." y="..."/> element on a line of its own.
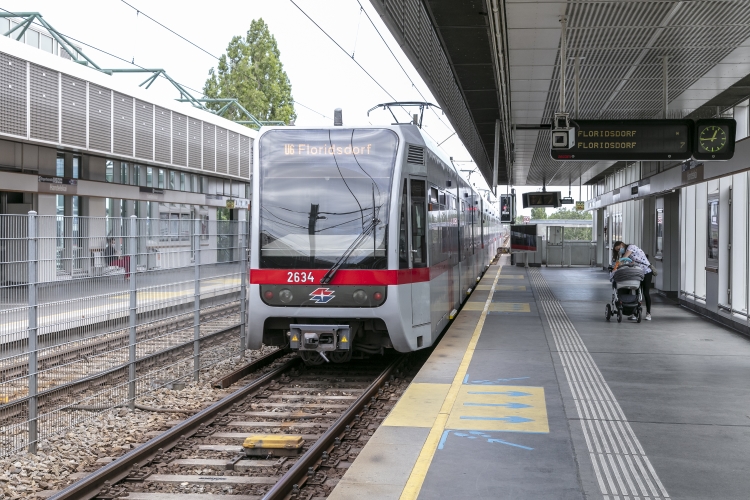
<point x="76" y="142"/>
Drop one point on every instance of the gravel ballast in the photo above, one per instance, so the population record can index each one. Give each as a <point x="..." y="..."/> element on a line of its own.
<point x="110" y="434"/>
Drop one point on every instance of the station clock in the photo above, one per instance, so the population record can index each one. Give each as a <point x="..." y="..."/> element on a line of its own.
<point x="714" y="139"/>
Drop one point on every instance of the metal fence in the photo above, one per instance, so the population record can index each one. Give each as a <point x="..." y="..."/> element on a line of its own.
<point x="95" y="312"/>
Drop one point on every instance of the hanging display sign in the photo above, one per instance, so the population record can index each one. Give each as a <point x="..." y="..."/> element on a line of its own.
<point x="629" y="140"/>
<point x="659" y="140"/>
<point x="506" y="211"/>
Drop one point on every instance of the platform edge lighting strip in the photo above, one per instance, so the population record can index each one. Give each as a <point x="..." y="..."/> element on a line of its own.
<point x="621" y="466"/>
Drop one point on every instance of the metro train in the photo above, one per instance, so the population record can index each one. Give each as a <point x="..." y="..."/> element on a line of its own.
<point x="363" y="239"/>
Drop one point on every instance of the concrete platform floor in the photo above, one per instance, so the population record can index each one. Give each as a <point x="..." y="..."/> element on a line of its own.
<point x="531" y="394"/>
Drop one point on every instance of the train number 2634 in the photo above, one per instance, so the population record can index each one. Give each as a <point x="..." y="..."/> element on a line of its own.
<point x="299" y="277"/>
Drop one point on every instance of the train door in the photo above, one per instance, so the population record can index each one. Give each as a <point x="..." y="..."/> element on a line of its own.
<point x="420" y="290"/>
<point x="453" y="245"/>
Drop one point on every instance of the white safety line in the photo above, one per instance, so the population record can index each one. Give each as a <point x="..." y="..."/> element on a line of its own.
<point x="622" y="469"/>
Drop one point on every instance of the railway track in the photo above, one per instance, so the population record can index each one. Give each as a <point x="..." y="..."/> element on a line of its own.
<point x="79" y="359"/>
<point x="333" y="408"/>
<point x="80" y="370"/>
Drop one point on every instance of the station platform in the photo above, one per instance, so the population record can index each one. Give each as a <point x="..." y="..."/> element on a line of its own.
<point x="531" y="394"/>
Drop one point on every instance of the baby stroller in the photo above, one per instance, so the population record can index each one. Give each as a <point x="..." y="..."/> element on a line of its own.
<point x="626" y="291"/>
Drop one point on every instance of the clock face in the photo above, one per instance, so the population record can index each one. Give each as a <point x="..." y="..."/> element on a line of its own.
<point x="713" y="138"/>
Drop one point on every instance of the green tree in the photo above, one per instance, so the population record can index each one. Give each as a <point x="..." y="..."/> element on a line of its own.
<point x="539" y="213"/>
<point x="251" y="71"/>
<point x="574" y="233"/>
<point x="564" y="213"/>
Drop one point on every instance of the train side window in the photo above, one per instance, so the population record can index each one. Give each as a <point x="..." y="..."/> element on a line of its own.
<point x="433" y="198"/>
<point x="444" y="233"/>
<point x="418" y="224"/>
<point x="403" y="244"/>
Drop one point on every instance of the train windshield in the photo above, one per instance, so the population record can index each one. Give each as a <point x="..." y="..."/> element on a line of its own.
<point x="324" y="195"/>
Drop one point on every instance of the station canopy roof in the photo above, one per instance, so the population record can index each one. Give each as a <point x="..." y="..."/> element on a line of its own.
<point x="488" y="60"/>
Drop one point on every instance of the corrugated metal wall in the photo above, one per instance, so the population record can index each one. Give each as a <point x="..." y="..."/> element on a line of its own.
<point x="39" y="104"/>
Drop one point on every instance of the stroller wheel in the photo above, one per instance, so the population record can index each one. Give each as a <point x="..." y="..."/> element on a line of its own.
<point x="608" y="312"/>
<point x="638" y="315"/>
<point x="619" y="316"/>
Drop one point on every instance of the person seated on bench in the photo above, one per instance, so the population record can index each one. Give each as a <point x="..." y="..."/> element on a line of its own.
<point x="112" y="259"/>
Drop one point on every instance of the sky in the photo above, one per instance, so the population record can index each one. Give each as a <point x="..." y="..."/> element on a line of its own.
<point x="323" y="76"/>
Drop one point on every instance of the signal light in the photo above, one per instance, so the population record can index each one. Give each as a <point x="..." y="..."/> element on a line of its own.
<point x="377" y="296"/>
<point x="268" y="295"/>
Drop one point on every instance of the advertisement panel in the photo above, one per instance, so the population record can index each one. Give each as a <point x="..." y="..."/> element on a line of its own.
<point x="523" y="238"/>
<point x="506" y="211"/>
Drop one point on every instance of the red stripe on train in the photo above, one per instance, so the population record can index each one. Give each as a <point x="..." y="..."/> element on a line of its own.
<point x="342" y="277"/>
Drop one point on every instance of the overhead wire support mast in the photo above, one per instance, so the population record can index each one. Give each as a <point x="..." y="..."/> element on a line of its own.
<point x="29" y="18"/>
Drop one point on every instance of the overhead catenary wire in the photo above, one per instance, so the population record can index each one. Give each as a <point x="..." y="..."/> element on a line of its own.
<point x="362" y="9"/>
<point x="343" y="50"/>
<point x="131" y="62"/>
<point x="353" y="59"/>
<point x="350" y="57"/>
<point x="310" y="109"/>
<point x="139" y="11"/>
<point x="207" y="52"/>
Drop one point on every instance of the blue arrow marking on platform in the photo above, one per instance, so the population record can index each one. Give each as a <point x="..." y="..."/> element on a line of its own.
<point x="510" y="420"/>
<point x="506" y="405"/>
<point x="492" y="382"/>
<point x="442" y="439"/>
<point x="506" y="393"/>
<point x="509" y="444"/>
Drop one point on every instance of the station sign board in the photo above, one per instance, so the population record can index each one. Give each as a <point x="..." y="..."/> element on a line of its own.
<point x="630" y="140"/>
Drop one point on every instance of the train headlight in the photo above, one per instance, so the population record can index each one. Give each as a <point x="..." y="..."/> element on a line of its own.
<point x="360" y="297"/>
<point x="268" y="295"/>
<point x="377" y="296"/>
<point x="286" y="296"/>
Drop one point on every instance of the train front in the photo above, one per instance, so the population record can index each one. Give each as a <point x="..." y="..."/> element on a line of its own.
<point x="319" y="257"/>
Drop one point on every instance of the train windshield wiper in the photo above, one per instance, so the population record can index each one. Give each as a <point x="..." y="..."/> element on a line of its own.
<point x="362" y="236"/>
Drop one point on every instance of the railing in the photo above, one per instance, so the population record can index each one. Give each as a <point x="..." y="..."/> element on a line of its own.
<point x="96" y="312"/>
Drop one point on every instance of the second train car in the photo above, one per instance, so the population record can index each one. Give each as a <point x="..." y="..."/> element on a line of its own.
<point x="363" y="239"/>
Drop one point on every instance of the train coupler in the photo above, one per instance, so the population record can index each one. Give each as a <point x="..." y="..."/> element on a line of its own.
<point x="320" y="338"/>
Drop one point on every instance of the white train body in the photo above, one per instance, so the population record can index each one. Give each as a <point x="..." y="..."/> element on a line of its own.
<point x="407" y="235"/>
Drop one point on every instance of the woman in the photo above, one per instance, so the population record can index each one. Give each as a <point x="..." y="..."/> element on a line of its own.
<point x="638" y="256"/>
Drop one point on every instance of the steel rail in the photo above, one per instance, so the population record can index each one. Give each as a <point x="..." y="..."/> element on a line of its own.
<point x="90" y="486"/>
<point x="243" y="371"/>
<point x="67" y="386"/>
<point x="298" y="471"/>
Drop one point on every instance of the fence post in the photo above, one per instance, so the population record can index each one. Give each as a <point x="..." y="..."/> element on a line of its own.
<point x="197" y="302"/>
<point x="131" y="269"/>
<point x="32" y="331"/>
<point x="243" y="282"/>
